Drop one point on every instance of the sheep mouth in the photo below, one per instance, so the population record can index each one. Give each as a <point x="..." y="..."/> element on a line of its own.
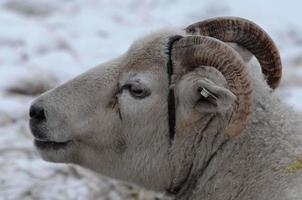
<point x="52" y="145"/>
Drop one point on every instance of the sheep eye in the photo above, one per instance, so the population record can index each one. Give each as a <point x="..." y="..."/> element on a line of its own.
<point x="137" y="90"/>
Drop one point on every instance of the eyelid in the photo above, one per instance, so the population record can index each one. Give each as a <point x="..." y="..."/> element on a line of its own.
<point x="131" y="84"/>
<point x="126" y="86"/>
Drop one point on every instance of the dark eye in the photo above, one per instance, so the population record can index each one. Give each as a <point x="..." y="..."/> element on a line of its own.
<point x="138" y="90"/>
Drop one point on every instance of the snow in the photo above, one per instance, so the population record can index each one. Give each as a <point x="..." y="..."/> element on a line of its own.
<point x="54" y="40"/>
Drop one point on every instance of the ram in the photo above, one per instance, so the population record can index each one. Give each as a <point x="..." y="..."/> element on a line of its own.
<point x="181" y="112"/>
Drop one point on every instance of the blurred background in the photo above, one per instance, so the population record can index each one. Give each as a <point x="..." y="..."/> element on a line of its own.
<point x="46" y="42"/>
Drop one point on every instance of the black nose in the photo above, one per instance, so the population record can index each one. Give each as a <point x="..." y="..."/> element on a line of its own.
<point x="37" y="112"/>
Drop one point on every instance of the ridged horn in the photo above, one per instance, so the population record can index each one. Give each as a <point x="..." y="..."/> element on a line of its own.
<point x="248" y="35"/>
<point x="193" y="51"/>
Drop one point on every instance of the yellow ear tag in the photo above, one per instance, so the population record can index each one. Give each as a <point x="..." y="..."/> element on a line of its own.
<point x="295" y="166"/>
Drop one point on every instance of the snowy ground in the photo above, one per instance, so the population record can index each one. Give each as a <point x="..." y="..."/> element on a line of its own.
<point x="45" y="42"/>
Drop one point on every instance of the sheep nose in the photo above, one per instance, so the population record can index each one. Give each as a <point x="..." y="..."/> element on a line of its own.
<point x="37" y="113"/>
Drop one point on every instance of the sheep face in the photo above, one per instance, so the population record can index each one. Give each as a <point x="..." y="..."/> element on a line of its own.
<point x="114" y="118"/>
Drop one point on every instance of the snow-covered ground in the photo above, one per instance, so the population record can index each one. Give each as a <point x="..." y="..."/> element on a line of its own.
<point x="46" y="42"/>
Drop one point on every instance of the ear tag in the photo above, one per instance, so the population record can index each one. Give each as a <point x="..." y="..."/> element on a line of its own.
<point x="206" y="93"/>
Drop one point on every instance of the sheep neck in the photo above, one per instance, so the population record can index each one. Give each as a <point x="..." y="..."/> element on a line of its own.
<point x="207" y="143"/>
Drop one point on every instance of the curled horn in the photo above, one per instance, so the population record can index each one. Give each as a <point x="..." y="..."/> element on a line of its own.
<point x="248" y="35"/>
<point x="193" y="51"/>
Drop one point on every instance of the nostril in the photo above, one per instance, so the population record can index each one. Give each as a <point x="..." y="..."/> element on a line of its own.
<point x="37" y="112"/>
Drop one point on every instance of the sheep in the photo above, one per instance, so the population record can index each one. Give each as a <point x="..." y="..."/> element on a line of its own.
<point x="186" y="112"/>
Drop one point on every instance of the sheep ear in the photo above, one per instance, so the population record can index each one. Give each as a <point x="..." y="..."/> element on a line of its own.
<point x="207" y="97"/>
<point x="212" y="98"/>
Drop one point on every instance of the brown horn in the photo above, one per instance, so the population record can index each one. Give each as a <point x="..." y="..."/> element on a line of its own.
<point x="193" y="51"/>
<point x="250" y="36"/>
